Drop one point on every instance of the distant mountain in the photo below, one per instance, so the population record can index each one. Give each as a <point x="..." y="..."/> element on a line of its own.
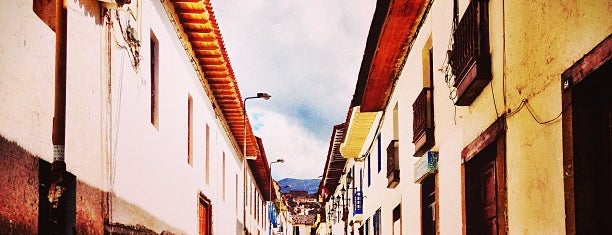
<point x="309" y="185"/>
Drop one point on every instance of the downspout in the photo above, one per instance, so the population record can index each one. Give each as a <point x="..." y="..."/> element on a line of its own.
<point x="58" y="167"/>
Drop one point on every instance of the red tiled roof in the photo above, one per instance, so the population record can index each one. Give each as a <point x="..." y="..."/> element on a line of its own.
<point x="261" y="172"/>
<point x="304" y="219"/>
<point x="198" y="24"/>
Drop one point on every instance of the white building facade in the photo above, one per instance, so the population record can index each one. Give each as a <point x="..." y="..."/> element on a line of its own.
<point x="153" y="122"/>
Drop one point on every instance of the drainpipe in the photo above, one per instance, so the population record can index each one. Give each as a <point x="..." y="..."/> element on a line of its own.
<point x="58" y="167"/>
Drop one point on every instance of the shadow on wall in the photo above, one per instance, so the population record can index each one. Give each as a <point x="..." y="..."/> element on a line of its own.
<point x="25" y="206"/>
<point x="45" y="10"/>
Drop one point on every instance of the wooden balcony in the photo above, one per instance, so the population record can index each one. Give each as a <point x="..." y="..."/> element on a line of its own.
<point x="470" y="58"/>
<point x="423" y="122"/>
<point x="393" y="172"/>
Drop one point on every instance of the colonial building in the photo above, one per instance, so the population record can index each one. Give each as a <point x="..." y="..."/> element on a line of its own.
<point x="141" y="131"/>
<point x="477" y="117"/>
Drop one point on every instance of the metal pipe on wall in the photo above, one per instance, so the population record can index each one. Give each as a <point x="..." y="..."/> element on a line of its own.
<point x="58" y="167"/>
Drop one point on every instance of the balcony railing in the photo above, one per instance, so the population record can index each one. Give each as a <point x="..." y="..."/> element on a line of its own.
<point x="470" y="58"/>
<point x="423" y="122"/>
<point x="393" y="171"/>
<point x="358" y="203"/>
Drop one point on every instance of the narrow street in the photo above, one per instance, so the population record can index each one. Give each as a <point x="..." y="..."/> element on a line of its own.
<point x="344" y="117"/>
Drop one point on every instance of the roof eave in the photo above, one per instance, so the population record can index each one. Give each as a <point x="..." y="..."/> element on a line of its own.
<point x="396" y="34"/>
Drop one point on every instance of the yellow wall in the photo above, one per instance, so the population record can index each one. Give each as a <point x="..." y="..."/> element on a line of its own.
<point x="543" y="39"/>
<point x="535" y="41"/>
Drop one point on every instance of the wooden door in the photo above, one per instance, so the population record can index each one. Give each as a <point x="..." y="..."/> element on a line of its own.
<point x="428" y="205"/>
<point x="204" y="217"/>
<point x="488" y="199"/>
<point x="592" y="153"/>
<point x="481" y="192"/>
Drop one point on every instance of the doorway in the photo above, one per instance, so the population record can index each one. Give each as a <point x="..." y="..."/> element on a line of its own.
<point x="481" y="193"/>
<point x="484" y="182"/>
<point x="204" y="215"/>
<point x="428" y="205"/>
<point x="587" y="139"/>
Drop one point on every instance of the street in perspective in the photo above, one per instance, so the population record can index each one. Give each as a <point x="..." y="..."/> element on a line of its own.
<point x="284" y="117"/>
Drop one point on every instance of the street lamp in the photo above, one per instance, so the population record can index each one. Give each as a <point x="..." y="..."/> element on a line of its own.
<point x="264" y="96"/>
<point x="280" y="160"/>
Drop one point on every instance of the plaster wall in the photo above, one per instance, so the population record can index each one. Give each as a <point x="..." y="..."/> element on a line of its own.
<point x="150" y="165"/>
<point x="26" y="87"/>
<point x="533" y="50"/>
<point x="26" y="114"/>
<point x="111" y="144"/>
<point x="543" y="39"/>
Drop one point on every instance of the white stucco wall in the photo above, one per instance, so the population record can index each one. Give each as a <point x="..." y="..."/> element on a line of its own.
<point x="108" y="128"/>
<point x="26" y="86"/>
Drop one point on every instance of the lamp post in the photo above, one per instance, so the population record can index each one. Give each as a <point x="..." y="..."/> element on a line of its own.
<point x="264" y="96"/>
<point x="280" y="160"/>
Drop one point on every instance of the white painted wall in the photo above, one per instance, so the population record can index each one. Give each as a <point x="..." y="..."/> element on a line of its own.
<point x="108" y="130"/>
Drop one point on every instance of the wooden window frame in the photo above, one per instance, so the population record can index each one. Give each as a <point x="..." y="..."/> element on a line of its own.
<point x="154" y="76"/>
<point x="423" y="122"/>
<point x="207" y="157"/>
<point x="436" y="202"/>
<point x="379" y="151"/>
<point x="580" y="70"/>
<point x="204" y="201"/>
<point x="495" y="134"/>
<point x="393" y="164"/>
<point x="189" y="130"/>
<point x="377" y="222"/>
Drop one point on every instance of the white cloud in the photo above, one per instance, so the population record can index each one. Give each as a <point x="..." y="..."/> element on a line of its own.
<point x="283" y="137"/>
<point x="307" y="55"/>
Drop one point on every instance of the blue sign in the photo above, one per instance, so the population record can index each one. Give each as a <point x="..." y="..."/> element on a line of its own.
<point x="426" y="165"/>
<point x="272" y="214"/>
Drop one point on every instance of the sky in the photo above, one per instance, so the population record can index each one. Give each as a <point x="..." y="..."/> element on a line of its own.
<point x="306" y="54"/>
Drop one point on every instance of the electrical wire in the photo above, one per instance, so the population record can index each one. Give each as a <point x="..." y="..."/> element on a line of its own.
<point x="525" y="104"/>
<point x="548" y="121"/>
<point x="133" y="44"/>
<point x="494" y="102"/>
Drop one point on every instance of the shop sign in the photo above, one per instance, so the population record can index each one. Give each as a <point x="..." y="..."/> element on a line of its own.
<point x="425" y="166"/>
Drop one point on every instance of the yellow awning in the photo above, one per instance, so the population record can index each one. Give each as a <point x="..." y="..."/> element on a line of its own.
<point x="358" y="129"/>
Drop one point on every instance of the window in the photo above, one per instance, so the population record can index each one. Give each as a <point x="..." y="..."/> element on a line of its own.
<point x="393" y="170"/>
<point x="223" y="176"/>
<point x="207" y="163"/>
<point x="367" y="227"/>
<point x="470" y="59"/>
<point x="423" y="121"/>
<point x="379" y="149"/>
<point x="189" y="130"/>
<point x="236" y="193"/>
<point x="369" y="170"/>
<point x="154" y="66"/>
<point x="296" y="230"/>
<point x="376" y="223"/>
<point x="395" y="122"/>
<point x="361" y="179"/>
